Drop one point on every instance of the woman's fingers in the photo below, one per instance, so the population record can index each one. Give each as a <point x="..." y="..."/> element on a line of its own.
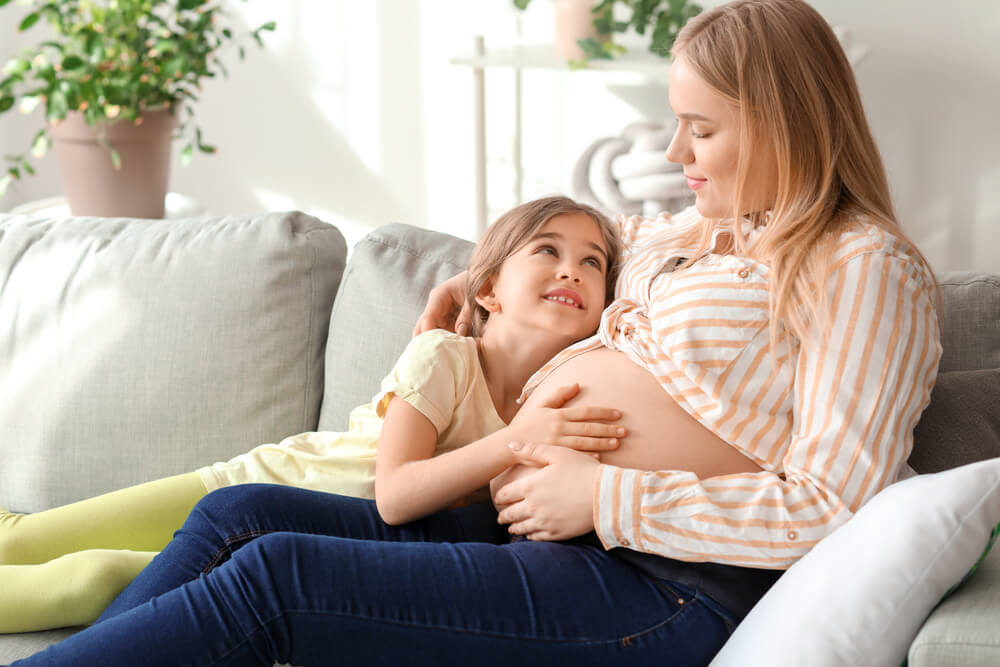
<point x="463" y="323"/>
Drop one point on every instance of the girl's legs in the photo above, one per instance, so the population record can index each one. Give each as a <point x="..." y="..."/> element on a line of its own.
<point x="62" y="566"/>
<point x="142" y="517"/>
<point x="311" y="599"/>
<point x="70" y="590"/>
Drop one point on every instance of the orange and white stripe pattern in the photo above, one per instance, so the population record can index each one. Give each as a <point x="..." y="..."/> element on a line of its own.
<point x="829" y="420"/>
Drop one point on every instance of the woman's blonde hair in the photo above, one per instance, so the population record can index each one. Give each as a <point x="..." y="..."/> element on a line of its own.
<point x="514" y="229"/>
<point x="780" y="63"/>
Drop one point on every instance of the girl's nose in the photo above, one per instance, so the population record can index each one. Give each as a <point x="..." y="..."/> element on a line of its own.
<point x="568" y="274"/>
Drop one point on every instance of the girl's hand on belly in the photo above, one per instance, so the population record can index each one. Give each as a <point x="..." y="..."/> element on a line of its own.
<point x="552" y="501"/>
<point x="584" y="427"/>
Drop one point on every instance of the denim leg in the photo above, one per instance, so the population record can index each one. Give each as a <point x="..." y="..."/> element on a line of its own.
<point x="230" y="517"/>
<point x="315" y="600"/>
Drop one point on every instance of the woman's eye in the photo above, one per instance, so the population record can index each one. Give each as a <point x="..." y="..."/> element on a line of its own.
<point x="698" y="135"/>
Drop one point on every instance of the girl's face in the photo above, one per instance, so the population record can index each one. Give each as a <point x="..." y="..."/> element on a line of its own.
<point x="707" y="144"/>
<point x="555" y="283"/>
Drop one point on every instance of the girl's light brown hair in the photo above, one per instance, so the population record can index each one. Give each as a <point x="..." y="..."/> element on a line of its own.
<point x="514" y="229"/>
<point x="780" y="63"/>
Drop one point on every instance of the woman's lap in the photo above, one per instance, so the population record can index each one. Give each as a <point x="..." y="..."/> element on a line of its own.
<point x="446" y="596"/>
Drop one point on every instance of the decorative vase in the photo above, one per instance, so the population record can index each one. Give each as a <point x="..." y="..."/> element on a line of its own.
<point x="92" y="184"/>
<point x="574" y="21"/>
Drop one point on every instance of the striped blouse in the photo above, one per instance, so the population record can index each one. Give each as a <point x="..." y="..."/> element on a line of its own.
<point x="829" y="422"/>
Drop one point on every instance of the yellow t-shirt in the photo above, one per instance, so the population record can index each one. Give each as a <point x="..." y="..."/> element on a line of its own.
<point x="438" y="374"/>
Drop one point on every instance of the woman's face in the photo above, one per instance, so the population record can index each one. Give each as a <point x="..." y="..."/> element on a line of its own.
<point x="707" y="144"/>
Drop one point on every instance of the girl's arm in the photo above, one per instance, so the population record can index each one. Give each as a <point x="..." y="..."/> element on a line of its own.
<point x="410" y="482"/>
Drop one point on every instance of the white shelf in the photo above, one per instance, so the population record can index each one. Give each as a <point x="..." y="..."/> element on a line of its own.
<point x="544" y="56"/>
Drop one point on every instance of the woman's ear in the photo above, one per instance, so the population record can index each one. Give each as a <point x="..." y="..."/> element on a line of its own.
<point x="487" y="298"/>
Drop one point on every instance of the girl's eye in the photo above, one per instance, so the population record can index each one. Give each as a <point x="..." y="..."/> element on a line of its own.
<point x="546" y="249"/>
<point x="594" y="262"/>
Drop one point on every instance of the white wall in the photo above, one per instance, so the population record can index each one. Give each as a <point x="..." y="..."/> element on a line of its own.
<point x="353" y="114"/>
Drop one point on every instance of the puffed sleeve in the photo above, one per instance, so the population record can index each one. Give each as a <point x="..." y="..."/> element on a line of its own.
<point x="431" y="374"/>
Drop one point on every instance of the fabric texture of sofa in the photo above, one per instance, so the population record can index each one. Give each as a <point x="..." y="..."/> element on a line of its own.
<point x="133" y="349"/>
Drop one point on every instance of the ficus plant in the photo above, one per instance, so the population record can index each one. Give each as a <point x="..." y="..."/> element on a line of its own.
<point x="111" y="60"/>
<point x="663" y="18"/>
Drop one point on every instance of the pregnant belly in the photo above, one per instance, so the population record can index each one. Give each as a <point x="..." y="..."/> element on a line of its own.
<point x="661" y="435"/>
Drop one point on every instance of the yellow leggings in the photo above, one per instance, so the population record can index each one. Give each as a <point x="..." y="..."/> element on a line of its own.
<point x="65" y="565"/>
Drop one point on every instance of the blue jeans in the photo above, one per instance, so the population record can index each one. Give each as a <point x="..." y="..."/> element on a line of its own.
<point x="236" y="588"/>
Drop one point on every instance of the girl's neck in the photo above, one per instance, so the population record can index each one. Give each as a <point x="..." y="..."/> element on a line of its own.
<point x="508" y="362"/>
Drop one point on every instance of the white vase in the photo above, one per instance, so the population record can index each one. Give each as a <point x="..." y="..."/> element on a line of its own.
<point x="573" y="21"/>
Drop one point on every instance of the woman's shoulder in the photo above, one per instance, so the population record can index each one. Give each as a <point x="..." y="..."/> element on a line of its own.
<point x="861" y="239"/>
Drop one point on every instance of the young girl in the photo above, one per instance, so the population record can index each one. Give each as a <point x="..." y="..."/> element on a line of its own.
<point x="538" y="280"/>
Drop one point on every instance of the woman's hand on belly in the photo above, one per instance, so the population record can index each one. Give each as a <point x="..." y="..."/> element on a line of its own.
<point x="582" y="427"/>
<point x="550" y="496"/>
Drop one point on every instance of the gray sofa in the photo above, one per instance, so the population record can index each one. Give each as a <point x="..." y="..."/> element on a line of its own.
<point x="133" y="349"/>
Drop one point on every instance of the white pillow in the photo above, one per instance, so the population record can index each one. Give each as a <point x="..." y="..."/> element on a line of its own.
<point x="860" y="596"/>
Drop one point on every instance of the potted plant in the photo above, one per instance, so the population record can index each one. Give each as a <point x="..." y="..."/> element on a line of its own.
<point x="664" y="19"/>
<point x="112" y="72"/>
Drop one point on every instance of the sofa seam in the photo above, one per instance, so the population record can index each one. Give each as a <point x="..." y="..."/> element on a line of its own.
<point x="309" y="333"/>
<point x="415" y="253"/>
<point x="979" y="279"/>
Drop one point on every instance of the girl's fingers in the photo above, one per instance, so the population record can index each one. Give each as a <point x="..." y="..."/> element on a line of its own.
<point x="589" y="444"/>
<point x="587" y="413"/>
<point x="594" y="430"/>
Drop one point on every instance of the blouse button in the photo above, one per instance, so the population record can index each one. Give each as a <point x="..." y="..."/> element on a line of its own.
<point x="625" y="543"/>
<point x="628" y="330"/>
<point x="792" y="535"/>
<point x="744" y="273"/>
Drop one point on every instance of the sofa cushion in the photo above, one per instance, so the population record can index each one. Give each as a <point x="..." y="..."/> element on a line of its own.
<point x="962" y="630"/>
<point x="384" y="290"/>
<point x="970" y="321"/>
<point x="962" y="422"/>
<point x="134" y="349"/>
<point x="860" y="596"/>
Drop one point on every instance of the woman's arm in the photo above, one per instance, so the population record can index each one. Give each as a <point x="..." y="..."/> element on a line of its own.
<point x="858" y="394"/>
<point x="446" y="308"/>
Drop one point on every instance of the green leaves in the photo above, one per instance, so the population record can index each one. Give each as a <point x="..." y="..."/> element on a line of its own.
<point x="110" y="60"/>
<point x="666" y="17"/>
<point x="29" y="20"/>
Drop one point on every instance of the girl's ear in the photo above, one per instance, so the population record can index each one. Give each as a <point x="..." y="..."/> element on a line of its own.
<point x="487" y="298"/>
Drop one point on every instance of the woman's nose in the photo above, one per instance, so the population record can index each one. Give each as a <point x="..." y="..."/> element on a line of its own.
<point x="678" y="151"/>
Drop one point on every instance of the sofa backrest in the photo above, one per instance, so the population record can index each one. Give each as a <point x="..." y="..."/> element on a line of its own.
<point x="134" y="349"/>
<point x="384" y="290"/>
<point x="970" y="321"/>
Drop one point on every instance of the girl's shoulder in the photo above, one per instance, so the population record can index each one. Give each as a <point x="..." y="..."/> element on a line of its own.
<point x="437" y="342"/>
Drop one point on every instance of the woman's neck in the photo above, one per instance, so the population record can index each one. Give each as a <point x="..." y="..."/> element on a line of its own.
<point x="508" y="362"/>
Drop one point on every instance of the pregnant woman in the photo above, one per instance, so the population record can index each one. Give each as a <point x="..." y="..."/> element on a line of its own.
<point x="771" y="350"/>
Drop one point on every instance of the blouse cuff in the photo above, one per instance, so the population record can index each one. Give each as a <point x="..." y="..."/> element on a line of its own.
<point x="617" y="506"/>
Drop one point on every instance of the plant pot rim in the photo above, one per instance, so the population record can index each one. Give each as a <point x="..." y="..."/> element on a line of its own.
<point x="75" y="128"/>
